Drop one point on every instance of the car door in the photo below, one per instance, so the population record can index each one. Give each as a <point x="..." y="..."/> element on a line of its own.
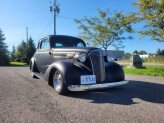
<point x="43" y="55"/>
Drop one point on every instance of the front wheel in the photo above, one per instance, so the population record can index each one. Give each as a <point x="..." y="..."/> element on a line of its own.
<point x="58" y="83"/>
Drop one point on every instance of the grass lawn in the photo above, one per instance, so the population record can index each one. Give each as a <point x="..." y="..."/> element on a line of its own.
<point x="157" y="59"/>
<point x="148" y="70"/>
<point x="18" y="64"/>
<point x="124" y="60"/>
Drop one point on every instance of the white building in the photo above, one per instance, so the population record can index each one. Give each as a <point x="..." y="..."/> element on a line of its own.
<point x="115" y="54"/>
<point x="144" y="56"/>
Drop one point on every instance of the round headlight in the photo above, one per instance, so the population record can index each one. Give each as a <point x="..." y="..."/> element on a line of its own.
<point x="109" y="59"/>
<point x="81" y="57"/>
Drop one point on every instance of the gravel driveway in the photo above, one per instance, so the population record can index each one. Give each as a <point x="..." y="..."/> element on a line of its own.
<point x="27" y="100"/>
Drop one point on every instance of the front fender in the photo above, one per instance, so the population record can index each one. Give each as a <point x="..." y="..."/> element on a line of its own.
<point x="114" y="72"/>
<point x="70" y="70"/>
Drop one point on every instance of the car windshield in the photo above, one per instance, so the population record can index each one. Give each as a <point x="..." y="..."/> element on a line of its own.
<point x="64" y="41"/>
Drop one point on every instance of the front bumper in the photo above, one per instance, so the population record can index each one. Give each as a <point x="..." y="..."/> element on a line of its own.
<point x="96" y="86"/>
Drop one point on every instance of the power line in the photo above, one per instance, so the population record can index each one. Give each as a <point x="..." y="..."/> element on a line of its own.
<point x="70" y="18"/>
<point x="45" y="29"/>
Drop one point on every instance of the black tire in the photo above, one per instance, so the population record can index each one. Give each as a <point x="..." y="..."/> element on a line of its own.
<point x="33" y="68"/>
<point x="33" y="76"/>
<point x="58" y="83"/>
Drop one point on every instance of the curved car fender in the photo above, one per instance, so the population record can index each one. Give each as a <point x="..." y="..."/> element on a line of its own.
<point x="114" y="72"/>
<point x="70" y="70"/>
<point x="33" y="67"/>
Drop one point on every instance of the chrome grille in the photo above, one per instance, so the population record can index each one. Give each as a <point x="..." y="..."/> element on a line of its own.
<point x="98" y="66"/>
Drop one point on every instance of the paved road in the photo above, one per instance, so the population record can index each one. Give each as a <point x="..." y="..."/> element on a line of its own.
<point x="27" y="100"/>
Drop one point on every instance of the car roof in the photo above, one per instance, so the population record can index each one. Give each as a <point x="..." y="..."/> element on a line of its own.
<point x="52" y="36"/>
<point x="66" y="36"/>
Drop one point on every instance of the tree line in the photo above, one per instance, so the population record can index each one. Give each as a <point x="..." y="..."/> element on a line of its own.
<point x="4" y="53"/>
<point x="22" y="53"/>
<point x="159" y="53"/>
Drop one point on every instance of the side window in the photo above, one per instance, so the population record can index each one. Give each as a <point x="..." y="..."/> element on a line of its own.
<point x="45" y="44"/>
<point x="59" y="45"/>
<point x="80" y="44"/>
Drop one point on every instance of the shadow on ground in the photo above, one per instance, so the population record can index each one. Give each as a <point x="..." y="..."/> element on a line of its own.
<point x="125" y="95"/>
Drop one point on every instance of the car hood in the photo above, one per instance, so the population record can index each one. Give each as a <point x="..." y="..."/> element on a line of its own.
<point x="75" y="49"/>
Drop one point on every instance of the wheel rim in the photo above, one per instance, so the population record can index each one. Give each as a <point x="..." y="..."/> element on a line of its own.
<point x="57" y="81"/>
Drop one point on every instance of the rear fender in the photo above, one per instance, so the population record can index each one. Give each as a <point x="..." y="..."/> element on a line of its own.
<point x="33" y="67"/>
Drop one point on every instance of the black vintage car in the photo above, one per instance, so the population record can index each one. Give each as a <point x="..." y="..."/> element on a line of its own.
<point x="66" y="64"/>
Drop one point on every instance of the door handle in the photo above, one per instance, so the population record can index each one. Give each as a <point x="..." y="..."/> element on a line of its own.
<point x="50" y="52"/>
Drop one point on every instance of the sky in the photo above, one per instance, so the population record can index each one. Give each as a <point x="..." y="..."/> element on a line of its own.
<point x="16" y="15"/>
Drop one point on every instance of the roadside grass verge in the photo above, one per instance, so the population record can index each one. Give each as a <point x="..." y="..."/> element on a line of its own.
<point x="157" y="59"/>
<point x="18" y="64"/>
<point x="147" y="70"/>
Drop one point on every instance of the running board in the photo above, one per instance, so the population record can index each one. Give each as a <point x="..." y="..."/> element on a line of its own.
<point x="40" y="76"/>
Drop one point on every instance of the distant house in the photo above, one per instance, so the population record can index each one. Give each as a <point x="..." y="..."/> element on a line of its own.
<point x="115" y="54"/>
<point x="144" y="56"/>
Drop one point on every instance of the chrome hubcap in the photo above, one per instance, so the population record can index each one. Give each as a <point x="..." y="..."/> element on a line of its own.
<point x="57" y="80"/>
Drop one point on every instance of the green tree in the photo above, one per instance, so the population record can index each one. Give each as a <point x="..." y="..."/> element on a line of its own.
<point x="142" y="52"/>
<point x="21" y="52"/>
<point x="127" y="55"/>
<point x="107" y="29"/>
<point x="30" y="49"/>
<point x="151" y="13"/>
<point x="12" y="54"/>
<point x="160" y="52"/>
<point x="25" y="51"/>
<point x="135" y="52"/>
<point x="4" y="53"/>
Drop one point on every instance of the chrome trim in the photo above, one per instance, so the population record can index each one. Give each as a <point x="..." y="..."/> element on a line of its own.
<point x="102" y="63"/>
<point x="96" y="86"/>
<point x="91" y="59"/>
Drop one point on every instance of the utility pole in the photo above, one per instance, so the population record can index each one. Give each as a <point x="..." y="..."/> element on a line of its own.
<point x="55" y="8"/>
<point x="27" y="34"/>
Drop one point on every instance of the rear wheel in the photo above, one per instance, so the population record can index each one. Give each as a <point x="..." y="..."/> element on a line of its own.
<point x="33" y="69"/>
<point x="58" y="83"/>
